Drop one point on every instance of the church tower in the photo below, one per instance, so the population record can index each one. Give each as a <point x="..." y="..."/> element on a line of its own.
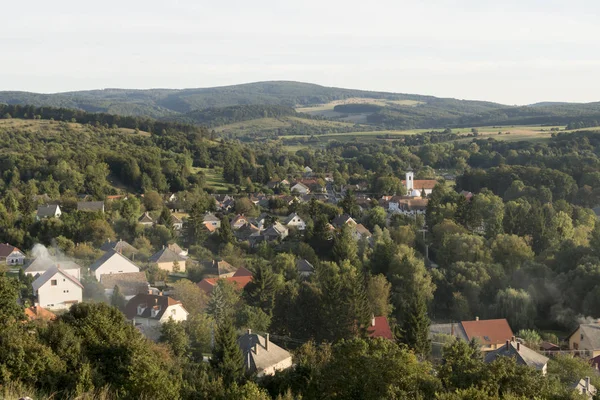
<point x="410" y="180"/>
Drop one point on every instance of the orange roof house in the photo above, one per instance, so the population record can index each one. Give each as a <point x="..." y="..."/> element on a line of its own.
<point x="37" y="312"/>
<point x="208" y="284"/>
<point x="380" y="328"/>
<point x="491" y="333"/>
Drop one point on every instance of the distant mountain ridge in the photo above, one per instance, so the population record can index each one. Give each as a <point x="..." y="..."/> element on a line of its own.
<point x="227" y="104"/>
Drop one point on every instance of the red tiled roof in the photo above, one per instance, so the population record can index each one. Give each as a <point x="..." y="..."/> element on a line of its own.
<point x="37" y="312"/>
<point x="423" y="184"/>
<point x="381" y="329"/>
<point x="207" y="284"/>
<point x="210" y="227"/>
<point x="242" y="272"/>
<point x="488" y="331"/>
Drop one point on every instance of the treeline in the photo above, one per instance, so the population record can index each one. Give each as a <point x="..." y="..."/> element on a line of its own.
<point x="97" y="119"/>
<point x="212" y="117"/>
<point x="357" y="108"/>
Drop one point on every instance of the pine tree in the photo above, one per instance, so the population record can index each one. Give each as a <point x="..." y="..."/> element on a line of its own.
<point x="165" y="218"/>
<point x="349" y="204"/>
<point x="262" y="290"/>
<point x="227" y="357"/>
<point x="9" y="293"/>
<point x="344" y="246"/>
<point x="225" y="232"/>
<point x="415" y="327"/>
<point x="194" y="225"/>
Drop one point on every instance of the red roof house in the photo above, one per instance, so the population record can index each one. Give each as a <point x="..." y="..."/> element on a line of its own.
<point x="380" y="328"/>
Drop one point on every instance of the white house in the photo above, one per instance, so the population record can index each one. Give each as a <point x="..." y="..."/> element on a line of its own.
<point x="11" y="255"/>
<point x="262" y="356"/>
<point x="177" y="222"/>
<point x="300" y="188"/>
<point x="112" y="262"/>
<point x="42" y="264"/>
<point x="57" y="290"/>
<point x="149" y="311"/>
<point x="294" y="220"/>
<point x="211" y="219"/>
<point x="146" y="219"/>
<point x="48" y="211"/>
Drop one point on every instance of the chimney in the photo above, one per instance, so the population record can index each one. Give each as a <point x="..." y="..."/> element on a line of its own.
<point x="587" y="383"/>
<point x="249" y="331"/>
<point x="149" y="291"/>
<point x="155" y="301"/>
<point x="267" y="343"/>
<point x="518" y="346"/>
<point x="476" y="318"/>
<point x="507" y="343"/>
<point x="256" y="348"/>
<point x="372" y="320"/>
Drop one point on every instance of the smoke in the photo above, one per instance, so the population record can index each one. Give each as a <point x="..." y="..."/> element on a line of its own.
<point x="39" y="251"/>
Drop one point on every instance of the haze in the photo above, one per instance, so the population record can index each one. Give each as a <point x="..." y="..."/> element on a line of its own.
<point x="513" y="52"/>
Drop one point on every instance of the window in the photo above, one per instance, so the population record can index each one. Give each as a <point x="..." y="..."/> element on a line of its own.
<point x="581" y="337"/>
<point x="65" y="291"/>
<point x="53" y="282"/>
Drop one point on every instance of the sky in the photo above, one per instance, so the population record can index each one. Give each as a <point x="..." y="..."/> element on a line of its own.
<point x="510" y="51"/>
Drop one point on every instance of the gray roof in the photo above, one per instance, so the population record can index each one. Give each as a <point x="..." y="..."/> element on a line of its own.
<point x="263" y="358"/>
<point x="145" y="218"/>
<point x="130" y="283"/>
<point x="106" y="256"/>
<point x="209" y="217"/>
<point x="121" y="247"/>
<point x="303" y="265"/>
<point x="340" y="220"/>
<point x="451" y="329"/>
<point x="523" y="355"/>
<point x="90" y="206"/>
<point x="148" y="302"/>
<point x="583" y="384"/>
<point x="218" y="267"/>
<point x="591" y="333"/>
<point x="46" y="276"/>
<point x="290" y="217"/>
<point x="175" y="248"/>
<point x="48" y="210"/>
<point x="165" y="255"/>
<point x="44" y="264"/>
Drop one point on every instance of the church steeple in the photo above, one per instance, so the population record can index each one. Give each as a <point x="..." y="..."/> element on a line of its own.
<point x="410" y="178"/>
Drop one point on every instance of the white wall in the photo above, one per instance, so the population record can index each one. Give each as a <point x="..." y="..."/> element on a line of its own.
<point x="115" y="265"/>
<point x="54" y="297"/>
<point x="15" y="258"/>
<point x="280" y="366"/>
<point x="180" y="314"/>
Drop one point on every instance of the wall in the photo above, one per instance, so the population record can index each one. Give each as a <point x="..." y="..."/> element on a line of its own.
<point x="54" y="297"/>
<point x="115" y="265"/>
<point x="180" y="314"/>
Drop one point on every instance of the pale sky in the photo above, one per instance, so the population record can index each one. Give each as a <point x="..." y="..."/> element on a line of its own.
<point x="510" y="51"/>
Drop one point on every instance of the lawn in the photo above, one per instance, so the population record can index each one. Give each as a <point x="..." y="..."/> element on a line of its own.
<point x="214" y="179"/>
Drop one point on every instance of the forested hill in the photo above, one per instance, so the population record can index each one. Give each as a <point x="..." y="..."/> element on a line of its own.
<point x="211" y="117"/>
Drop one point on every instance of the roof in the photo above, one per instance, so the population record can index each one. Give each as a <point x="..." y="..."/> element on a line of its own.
<point x="46" y="276"/>
<point x="523" y="355"/>
<point x="106" y="256"/>
<point x="301" y="185"/>
<point x="362" y="230"/>
<point x="215" y="267"/>
<point x="547" y="346"/>
<point x="175" y="219"/>
<point x="210" y="227"/>
<point x="207" y="284"/>
<point x="591" y="332"/>
<point x="7" y="249"/>
<point x="43" y="264"/>
<point x="263" y="358"/>
<point x="452" y="329"/>
<point x="165" y="255"/>
<point x="290" y="217"/>
<point x="90" y="206"/>
<point x="37" y="312"/>
<point x="423" y="183"/>
<point x="48" y="210"/>
<point x="241" y="271"/>
<point x="340" y="220"/>
<point x="303" y="265"/>
<point x="145" y="218"/>
<point x="380" y="328"/>
<point x="149" y="302"/>
<point x="210" y="217"/>
<point x="176" y="248"/>
<point x="583" y="386"/>
<point x="488" y="331"/>
<point x="120" y="247"/>
<point x="129" y="283"/>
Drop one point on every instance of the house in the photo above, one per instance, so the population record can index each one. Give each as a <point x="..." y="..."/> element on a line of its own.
<point x="466" y="195"/>
<point x="342" y="220"/>
<point x="146" y="219"/>
<point x="380" y="328"/>
<point x="48" y="211"/>
<point x="294" y="221"/>
<point x="276" y="232"/>
<point x="211" y="219"/>
<point x="522" y="354"/>
<point x="583" y="386"/>
<point x="121" y="247"/>
<point x="241" y="271"/>
<point x="406" y="205"/>
<point x="238" y="222"/>
<point x="246" y="231"/>
<point x="223" y="202"/>
<point x="170" y="197"/>
<point x="176" y="222"/>
<point x="112" y="262"/>
<point x="90" y="206"/>
<point x="548" y="347"/>
<point x="42" y="264"/>
<point x="261" y="356"/>
<point x="586" y="339"/>
<point x="57" y="290"/>
<point x="304" y="268"/>
<point x="218" y="269"/>
<point x="115" y="197"/>
<point x="149" y="311"/>
<point x="34" y="313"/>
<point x="300" y="188"/>
<point x="129" y="283"/>
<point x="260" y="221"/>
<point x="361" y="232"/>
<point x="209" y="227"/>
<point x="416" y="188"/>
<point x="307" y="170"/>
<point x="11" y="255"/>
<point x="168" y="260"/>
<point x="490" y="333"/>
<point x="240" y="282"/>
<point x="175" y="247"/>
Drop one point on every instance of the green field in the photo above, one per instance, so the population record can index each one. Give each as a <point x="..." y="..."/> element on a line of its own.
<point x="214" y="179"/>
<point x="37" y="125"/>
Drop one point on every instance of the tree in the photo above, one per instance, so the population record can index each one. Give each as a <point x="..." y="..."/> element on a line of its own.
<point x="511" y="251"/>
<point x="244" y="206"/>
<point x="462" y="365"/>
<point x="531" y="337"/>
<point x="378" y="293"/>
<point x="117" y="299"/>
<point x="194" y="228"/>
<point x="9" y="293"/>
<point x="173" y="334"/>
<point x="262" y="290"/>
<point x="227" y="358"/>
<point x="415" y="327"/>
<point x="376" y="216"/>
<point x="99" y="231"/>
<point x="517" y="306"/>
<point x="153" y="201"/>
<point x="191" y="296"/>
<point x="349" y="204"/>
<point x="165" y="218"/>
<point x="344" y="246"/>
<point x="225" y="232"/>
<point x="223" y="299"/>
